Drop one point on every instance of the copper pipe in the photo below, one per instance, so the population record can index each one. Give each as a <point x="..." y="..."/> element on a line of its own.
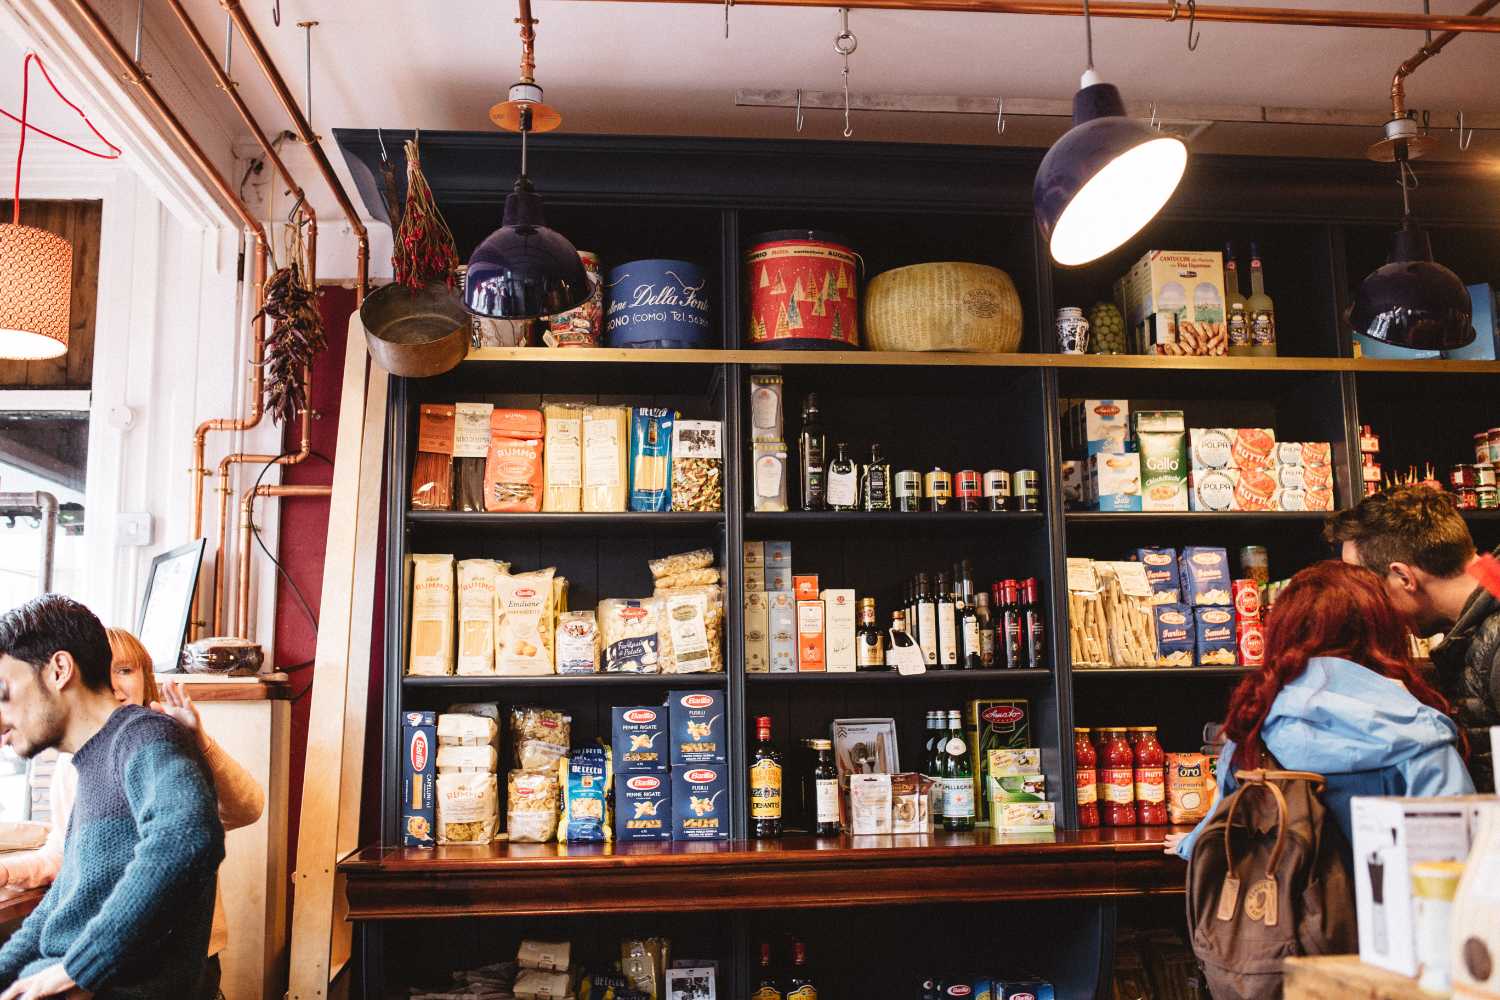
<point x="528" y="42"/>
<point x="1426" y="52"/>
<point x="309" y="139"/>
<point x="1154" y="12"/>
<point x="247" y="526"/>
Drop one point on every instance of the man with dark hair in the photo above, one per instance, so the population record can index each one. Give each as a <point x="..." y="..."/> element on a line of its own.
<point x="1416" y="539"/>
<point x="129" y="913"/>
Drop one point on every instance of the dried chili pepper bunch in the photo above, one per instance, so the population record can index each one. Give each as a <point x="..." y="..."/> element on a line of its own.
<point x="296" y="338"/>
<point x="424" y="244"/>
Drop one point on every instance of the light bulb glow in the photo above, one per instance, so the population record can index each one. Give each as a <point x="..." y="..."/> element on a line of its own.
<point x="1118" y="201"/>
<point x="26" y="345"/>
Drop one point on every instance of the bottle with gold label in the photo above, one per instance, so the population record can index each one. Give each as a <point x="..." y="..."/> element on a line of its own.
<point x="801" y="985"/>
<point x="766" y="986"/>
<point x="765" y="783"/>
<point x="869" y="646"/>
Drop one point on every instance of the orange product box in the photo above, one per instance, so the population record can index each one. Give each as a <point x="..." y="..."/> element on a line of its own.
<point x="806" y="587"/>
<point x="513" y="471"/>
<point x="810" y="642"/>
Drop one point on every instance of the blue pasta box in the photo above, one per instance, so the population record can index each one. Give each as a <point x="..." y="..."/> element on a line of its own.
<point x="1204" y="575"/>
<point x="639" y="738"/>
<point x="1176" y="635"/>
<point x="651" y="459"/>
<point x="1024" y="989"/>
<point x="700" y="802"/>
<point x="419" y="771"/>
<point x="643" y="807"/>
<point x="1218" y="646"/>
<point x="697" y="719"/>
<point x="1161" y="573"/>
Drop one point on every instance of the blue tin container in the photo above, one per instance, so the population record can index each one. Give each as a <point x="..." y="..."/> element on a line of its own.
<point x="657" y="303"/>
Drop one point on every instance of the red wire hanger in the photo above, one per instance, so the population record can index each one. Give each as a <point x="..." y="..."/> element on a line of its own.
<point x="114" y="151"/>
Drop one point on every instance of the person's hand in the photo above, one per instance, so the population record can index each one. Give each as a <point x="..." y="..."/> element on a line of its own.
<point x="50" y="982"/>
<point x="177" y="704"/>
<point x="1173" y="839"/>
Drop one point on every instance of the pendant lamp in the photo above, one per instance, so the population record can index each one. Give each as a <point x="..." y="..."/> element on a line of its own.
<point x="1106" y="177"/>
<point x="524" y="269"/>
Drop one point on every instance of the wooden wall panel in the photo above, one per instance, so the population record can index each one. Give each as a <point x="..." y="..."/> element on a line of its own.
<point x="78" y="223"/>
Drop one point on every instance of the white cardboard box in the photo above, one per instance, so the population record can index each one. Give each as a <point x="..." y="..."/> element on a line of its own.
<point x="757" y="632"/>
<point x="782" y="632"/>
<point x="839" y="628"/>
<point x="1390" y="835"/>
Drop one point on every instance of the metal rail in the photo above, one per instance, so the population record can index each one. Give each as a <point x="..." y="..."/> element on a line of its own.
<point x="42" y="505"/>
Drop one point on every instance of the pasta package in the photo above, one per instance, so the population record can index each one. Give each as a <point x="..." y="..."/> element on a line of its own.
<point x="524" y="622"/>
<point x="471" y="446"/>
<point x="682" y="562"/>
<point x="468" y="807"/>
<point x="577" y="642"/>
<point x="628" y="630"/>
<point x="651" y="459"/>
<point x="1190" y="787"/>
<point x="531" y="802"/>
<point x="690" y="578"/>
<point x="459" y="729"/>
<point x="698" y="465"/>
<point x="549" y="956"/>
<point x="536" y="984"/>
<point x="564" y="451"/>
<point x="432" y="473"/>
<point x="606" y="458"/>
<point x="513" y="472"/>
<point x="431" y="642"/>
<point x="540" y="737"/>
<point x="476" y="616"/>
<point x="585" y="779"/>
<point x="450" y="759"/>
<point x="484" y="709"/>
<point x="691" y="631"/>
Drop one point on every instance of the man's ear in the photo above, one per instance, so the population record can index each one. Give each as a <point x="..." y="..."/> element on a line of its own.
<point x="1406" y="576"/>
<point x="60" y="671"/>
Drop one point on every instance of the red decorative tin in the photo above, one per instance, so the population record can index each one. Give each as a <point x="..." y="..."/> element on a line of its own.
<point x="802" y="288"/>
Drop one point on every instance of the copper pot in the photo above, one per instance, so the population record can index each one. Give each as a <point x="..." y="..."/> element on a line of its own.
<point x="416" y="333"/>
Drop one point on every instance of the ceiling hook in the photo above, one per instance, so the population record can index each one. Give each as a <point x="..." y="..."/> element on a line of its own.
<point x="999" y="116"/>
<point x="291" y="216"/>
<point x="1464" y="141"/>
<point x="276" y="14"/>
<point x="380" y="138"/>
<point x="1155" y="118"/>
<point x="844" y="45"/>
<point x="1194" y="36"/>
<point x="799" y="110"/>
<point x="727" y="4"/>
<point x="1172" y="13"/>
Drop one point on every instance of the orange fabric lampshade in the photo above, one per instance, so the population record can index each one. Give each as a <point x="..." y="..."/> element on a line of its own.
<point x="36" y="288"/>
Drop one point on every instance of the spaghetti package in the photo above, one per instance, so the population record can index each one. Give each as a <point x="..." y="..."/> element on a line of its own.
<point x="430" y="653"/>
<point x="690" y="635"/>
<point x="564" y="451"/>
<point x="513" y="474"/>
<point x="584" y="779"/>
<point x="628" y="630"/>
<point x="606" y="458"/>
<point x="523" y="623"/>
<point x="651" y="459"/>
<point x="432" y="472"/>
<point x="471" y="447"/>
<point x="476" y="617"/>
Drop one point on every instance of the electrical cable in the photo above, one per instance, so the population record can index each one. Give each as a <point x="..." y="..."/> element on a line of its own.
<point x="255" y="533"/>
<point x="28" y="127"/>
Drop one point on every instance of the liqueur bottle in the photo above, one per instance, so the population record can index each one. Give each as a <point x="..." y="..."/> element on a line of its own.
<point x="825" y="790"/>
<point x="875" y="482"/>
<point x="1262" y="310"/>
<point x="766" y="985"/>
<point x="1236" y="313"/>
<point x="765" y="783"/>
<point x="812" y="454"/>
<point x="970" y="647"/>
<point x="843" y="480"/>
<point x="947" y="625"/>
<point x="801" y="985"/>
<point x="927" y="631"/>
<point x="869" y="643"/>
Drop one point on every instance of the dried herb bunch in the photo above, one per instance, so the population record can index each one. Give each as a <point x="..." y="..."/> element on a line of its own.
<point x="424" y="244"/>
<point x="296" y="338"/>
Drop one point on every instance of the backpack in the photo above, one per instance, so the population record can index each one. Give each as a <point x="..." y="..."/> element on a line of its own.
<point x="1266" y="882"/>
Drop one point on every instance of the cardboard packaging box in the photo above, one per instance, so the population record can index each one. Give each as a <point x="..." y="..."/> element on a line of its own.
<point x="1161" y="573"/>
<point x="1318" y="499"/>
<point x="639" y="739"/>
<point x="757" y="632"/>
<point x="1215" y="636"/>
<point x="1231" y="448"/>
<point x="1098" y="426"/>
<point x="1176" y="636"/>
<point x="782" y="631"/>
<point x="698" y="733"/>
<point x="700" y="802"/>
<point x="1115" y="482"/>
<point x="810" y="637"/>
<point x="1166" y="289"/>
<point x="993" y="724"/>
<point x="419" y="771"/>
<point x="643" y="807"/>
<point x="1072" y="483"/>
<point x="841" y="615"/>
<point x="1204" y="571"/>
<point x="778" y="566"/>
<point x="1161" y="439"/>
<point x="755" y="566"/>
<point x="1214" y="490"/>
<point x="1391" y="835"/>
<point x="805" y="586"/>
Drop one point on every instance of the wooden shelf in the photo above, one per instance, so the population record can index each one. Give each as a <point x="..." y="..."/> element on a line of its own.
<point x="1174" y="672"/>
<point x="629" y="519"/>
<point x="572" y="680"/>
<point x="891" y="677"/>
<point x="1086" y="517"/>
<point x="987" y="518"/>
<point x="795" y="872"/>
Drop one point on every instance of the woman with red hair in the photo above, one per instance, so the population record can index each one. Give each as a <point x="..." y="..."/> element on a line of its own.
<point x="1339" y="695"/>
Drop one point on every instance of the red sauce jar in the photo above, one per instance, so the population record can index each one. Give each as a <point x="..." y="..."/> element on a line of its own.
<point x="1150" y="779"/>
<point x="1087" y="762"/>
<point x="1117" y="780"/>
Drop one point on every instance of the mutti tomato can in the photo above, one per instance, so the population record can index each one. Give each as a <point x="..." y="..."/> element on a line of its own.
<point x="1251" y="636"/>
<point x="1246" y="600"/>
<point x="803" y="290"/>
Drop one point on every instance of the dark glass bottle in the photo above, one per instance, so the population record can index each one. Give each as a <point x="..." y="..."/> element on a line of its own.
<point x="1033" y="625"/>
<point x="970" y="656"/>
<point x="875" y="482"/>
<point x="986" y="630"/>
<point x="869" y="642"/>
<point x="947" y="624"/>
<point x="927" y="631"/>
<point x="933" y="764"/>
<point x="958" y="793"/>
<point x="1008" y="629"/>
<point x="766" y="985"/>
<point x="765" y="783"/>
<point x="801" y="985"/>
<point x="812" y="457"/>
<point x="825" y="790"/>
<point x="843" y="480"/>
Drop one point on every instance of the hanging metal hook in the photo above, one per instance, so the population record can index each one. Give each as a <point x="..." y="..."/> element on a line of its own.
<point x="276" y="14"/>
<point x="1155" y="118"/>
<point x="999" y="116"/>
<point x="845" y="44"/>
<point x="799" y="109"/>
<point x="1464" y="141"/>
<point x="1194" y="36"/>
<point x="291" y="217"/>
<point x="380" y="138"/>
<point x="727" y="4"/>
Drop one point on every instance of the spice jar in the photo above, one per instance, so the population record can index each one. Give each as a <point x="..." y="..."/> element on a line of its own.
<point x="1117" y="780"/>
<point x="1086" y="762"/>
<point x="997" y="490"/>
<point x="908" y="491"/>
<point x="1150" y="778"/>
<point x="937" y="490"/>
<point x="966" y="491"/>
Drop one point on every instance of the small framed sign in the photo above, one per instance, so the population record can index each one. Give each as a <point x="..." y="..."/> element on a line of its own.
<point x="168" y="602"/>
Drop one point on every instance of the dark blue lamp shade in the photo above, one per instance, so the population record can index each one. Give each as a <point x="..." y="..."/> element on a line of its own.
<point x="1412" y="301"/>
<point x="1104" y="179"/>
<point x="523" y="269"/>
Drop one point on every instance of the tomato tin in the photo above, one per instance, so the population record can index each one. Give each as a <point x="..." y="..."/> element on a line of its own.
<point x="1246" y="599"/>
<point x="803" y="291"/>
<point x="1251" y="636"/>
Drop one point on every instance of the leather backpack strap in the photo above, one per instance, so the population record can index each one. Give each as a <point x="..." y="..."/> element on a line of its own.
<point x="1259" y="779"/>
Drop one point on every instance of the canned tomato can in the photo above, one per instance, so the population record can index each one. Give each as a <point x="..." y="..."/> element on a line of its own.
<point x="1487" y="498"/>
<point x="1251" y="638"/>
<point x="997" y="490"/>
<point x="803" y="291"/>
<point x="1246" y="599"/>
<point x="1026" y="488"/>
<point x="657" y="303"/>
<point x="908" y="491"/>
<point x="1484" y="474"/>
<point x="1255" y="564"/>
<point x="1464" y="475"/>
<point x="582" y="325"/>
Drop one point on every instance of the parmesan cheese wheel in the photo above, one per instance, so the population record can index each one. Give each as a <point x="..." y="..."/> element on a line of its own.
<point x="944" y="306"/>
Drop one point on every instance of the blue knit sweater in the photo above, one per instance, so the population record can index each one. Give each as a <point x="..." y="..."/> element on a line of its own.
<point x="130" y="912"/>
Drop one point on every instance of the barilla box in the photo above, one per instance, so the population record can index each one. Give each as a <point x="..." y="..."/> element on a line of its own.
<point x="839" y="627"/>
<point x="700" y="802"/>
<point x="1161" y="440"/>
<point x="639" y="738"/>
<point x="419" y="771"/>
<point x="1176" y="635"/>
<point x="993" y="724"/>
<point x="805" y="586"/>
<point x="1390" y="835"/>
<point x="697" y="719"/>
<point x="1204" y="571"/>
<point x="757" y="632"/>
<point x="755" y="566"/>
<point x="1218" y="643"/>
<point x="1161" y="573"/>
<point x="1024" y="989"/>
<point x="1115" y="481"/>
<point x="643" y="807"/>
<point x="810" y="638"/>
<point x="1102" y="426"/>
<point x="778" y="566"/>
<point x="781" y="633"/>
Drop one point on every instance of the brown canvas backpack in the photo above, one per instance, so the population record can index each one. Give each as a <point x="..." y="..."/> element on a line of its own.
<point x="1267" y="881"/>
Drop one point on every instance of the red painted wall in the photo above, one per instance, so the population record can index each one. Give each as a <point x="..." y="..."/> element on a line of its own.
<point x="304" y="536"/>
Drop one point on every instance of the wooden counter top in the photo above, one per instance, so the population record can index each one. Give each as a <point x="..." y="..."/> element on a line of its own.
<point x="796" y="872"/>
<point x="220" y="687"/>
<point x="16" y="905"/>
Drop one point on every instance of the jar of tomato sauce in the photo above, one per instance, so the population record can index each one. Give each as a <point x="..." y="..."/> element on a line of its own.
<point x="1086" y="760"/>
<point x="1150" y="779"/>
<point x="1117" y="779"/>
